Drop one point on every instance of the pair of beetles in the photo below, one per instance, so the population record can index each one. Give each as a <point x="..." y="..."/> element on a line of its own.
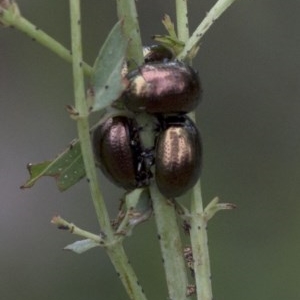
<point x="166" y="89"/>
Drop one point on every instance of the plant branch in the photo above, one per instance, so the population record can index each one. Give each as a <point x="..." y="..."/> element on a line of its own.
<point x="114" y="248"/>
<point x="125" y="272"/>
<point x="82" y="120"/>
<point x="128" y="14"/>
<point x="215" y="12"/>
<point x="63" y="224"/>
<point x="199" y="217"/>
<point x="199" y="243"/>
<point x="12" y="17"/>
<point x="170" y="244"/>
<point x="182" y="20"/>
<point x="214" y="206"/>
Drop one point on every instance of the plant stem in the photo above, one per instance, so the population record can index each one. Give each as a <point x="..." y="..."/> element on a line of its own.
<point x="170" y="243"/>
<point x="214" y="13"/>
<point x="198" y="231"/>
<point x="82" y="121"/>
<point x="199" y="243"/>
<point x="126" y="273"/>
<point x="128" y="14"/>
<point x="182" y="20"/>
<point x="114" y="249"/>
<point x="198" y="239"/>
<point x="63" y="224"/>
<point x="12" y="17"/>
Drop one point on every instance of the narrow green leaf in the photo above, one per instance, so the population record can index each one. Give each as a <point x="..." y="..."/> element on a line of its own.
<point x="169" y="25"/>
<point x="67" y="168"/>
<point x="107" y="79"/>
<point x="82" y="246"/>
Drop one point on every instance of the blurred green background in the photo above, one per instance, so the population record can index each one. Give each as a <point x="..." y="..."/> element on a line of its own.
<point x="249" y="64"/>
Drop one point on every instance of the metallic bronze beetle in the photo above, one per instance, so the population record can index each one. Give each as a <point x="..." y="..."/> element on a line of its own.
<point x="163" y="88"/>
<point x="178" y="156"/>
<point x="156" y="53"/>
<point x="118" y="152"/>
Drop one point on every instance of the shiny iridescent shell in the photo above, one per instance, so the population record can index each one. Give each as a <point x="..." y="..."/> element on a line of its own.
<point x="178" y="156"/>
<point x="163" y="88"/>
<point x="118" y="152"/>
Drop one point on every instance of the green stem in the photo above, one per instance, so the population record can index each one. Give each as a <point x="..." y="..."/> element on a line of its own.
<point x="198" y="232"/>
<point x="128" y="14"/>
<point x="12" y="17"/>
<point x="214" y="13"/>
<point x="63" y="224"/>
<point x="182" y="20"/>
<point x="82" y="121"/>
<point x="170" y="244"/>
<point x="114" y="249"/>
<point x="199" y="242"/>
<point x="126" y="273"/>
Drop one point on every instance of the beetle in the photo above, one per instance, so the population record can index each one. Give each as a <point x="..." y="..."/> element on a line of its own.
<point x="118" y="152"/>
<point x="178" y="156"/>
<point x="152" y="53"/>
<point x="163" y="88"/>
<point x="156" y="53"/>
